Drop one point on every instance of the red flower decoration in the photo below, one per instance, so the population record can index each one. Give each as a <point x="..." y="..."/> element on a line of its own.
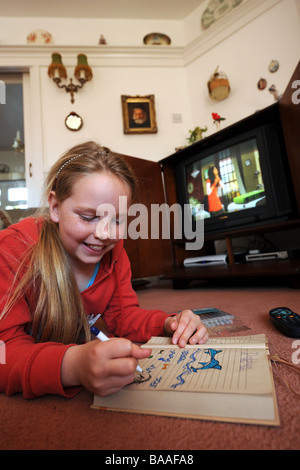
<point x="216" y="117"/>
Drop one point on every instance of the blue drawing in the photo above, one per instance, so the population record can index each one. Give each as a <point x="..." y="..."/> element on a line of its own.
<point x="183" y="356"/>
<point x="186" y="369"/>
<point x="155" y="382"/>
<point x="150" y="368"/>
<point x="212" y="364"/>
<point x="171" y="355"/>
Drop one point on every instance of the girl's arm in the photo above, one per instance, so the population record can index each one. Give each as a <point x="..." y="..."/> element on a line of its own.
<point x="30" y="368"/>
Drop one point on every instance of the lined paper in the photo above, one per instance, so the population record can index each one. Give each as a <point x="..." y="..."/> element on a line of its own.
<point x="224" y="365"/>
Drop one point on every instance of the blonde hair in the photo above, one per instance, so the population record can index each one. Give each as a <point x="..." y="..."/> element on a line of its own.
<point x="59" y="313"/>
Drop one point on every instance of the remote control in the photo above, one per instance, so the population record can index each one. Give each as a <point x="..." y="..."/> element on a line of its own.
<point x="286" y="321"/>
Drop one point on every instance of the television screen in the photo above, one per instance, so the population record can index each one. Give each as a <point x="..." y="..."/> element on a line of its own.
<point x="237" y="177"/>
<point x="227" y="181"/>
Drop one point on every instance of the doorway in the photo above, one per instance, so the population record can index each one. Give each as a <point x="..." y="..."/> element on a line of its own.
<point x="13" y="189"/>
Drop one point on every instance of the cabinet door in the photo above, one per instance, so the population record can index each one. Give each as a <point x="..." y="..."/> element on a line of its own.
<point x="148" y="256"/>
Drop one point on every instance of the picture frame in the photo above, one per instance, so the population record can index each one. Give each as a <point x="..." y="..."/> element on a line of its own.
<point x="139" y="115"/>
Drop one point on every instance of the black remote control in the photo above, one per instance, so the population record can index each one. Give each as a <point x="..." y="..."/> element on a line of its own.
<point x="286" y="321"/>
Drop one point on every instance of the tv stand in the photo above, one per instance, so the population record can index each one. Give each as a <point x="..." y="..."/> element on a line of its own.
<point x="287" y="270"/>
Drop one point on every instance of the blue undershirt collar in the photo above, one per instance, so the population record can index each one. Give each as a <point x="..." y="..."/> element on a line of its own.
<point x="92" y="280"/>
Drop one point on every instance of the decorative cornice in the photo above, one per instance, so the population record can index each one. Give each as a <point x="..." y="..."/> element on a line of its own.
<point x="26" y="56"/>
<point x="31" y="55"/>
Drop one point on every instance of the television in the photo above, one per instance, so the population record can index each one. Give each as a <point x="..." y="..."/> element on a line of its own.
<point x="237" y="180"/>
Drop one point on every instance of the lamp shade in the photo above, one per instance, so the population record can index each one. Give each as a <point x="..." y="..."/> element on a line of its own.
<point x="56" y="69"/>
<point x="83" y="70"/>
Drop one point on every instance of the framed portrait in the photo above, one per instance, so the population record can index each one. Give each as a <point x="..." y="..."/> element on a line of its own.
<point x="139" y="114"/>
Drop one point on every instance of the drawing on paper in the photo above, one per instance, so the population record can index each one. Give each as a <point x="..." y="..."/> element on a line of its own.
<point x="220" y="367"/>
<point x="184" y="362"/>
<point x="188" y="368"/>
<point x="142" y="377"/>
<point x="212" y="364"/>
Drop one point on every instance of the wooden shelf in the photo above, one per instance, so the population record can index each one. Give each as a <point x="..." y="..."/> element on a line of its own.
<point x="247" y="231"/>
<point x="253" y="268"/>
<point x="288" y="270"/>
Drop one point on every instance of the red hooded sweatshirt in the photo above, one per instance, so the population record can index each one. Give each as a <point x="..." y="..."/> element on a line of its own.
<point x="35" y="368"/>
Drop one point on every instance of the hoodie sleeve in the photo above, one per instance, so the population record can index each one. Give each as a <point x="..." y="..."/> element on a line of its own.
<point x="124" y="317"/>
<point x="33" y="369"/>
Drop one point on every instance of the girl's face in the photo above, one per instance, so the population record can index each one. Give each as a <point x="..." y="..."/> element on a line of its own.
<point x="92" y="220"/>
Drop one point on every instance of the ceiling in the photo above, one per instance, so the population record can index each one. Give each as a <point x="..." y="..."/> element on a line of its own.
<point x="134" y="9"/>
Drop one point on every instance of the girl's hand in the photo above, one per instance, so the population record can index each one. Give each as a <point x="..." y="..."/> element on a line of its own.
<point x="102" y="368"/>
<point x="186" y="327"/>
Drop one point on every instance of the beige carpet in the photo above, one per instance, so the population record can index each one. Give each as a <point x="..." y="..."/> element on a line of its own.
<point x="55" y="423"/>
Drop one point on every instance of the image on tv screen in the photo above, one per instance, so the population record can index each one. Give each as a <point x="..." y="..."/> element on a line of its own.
<point x="227" y="181"/>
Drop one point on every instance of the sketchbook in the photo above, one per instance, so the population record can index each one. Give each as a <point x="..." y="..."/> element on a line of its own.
<point x="226" y="379"/>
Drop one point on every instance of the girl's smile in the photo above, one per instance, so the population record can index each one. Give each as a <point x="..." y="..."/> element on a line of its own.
<point x="94" y="248"/>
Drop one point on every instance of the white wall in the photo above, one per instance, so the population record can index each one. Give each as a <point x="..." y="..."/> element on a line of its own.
<point x="245" y="56"/>
<point x="99" y="104"/>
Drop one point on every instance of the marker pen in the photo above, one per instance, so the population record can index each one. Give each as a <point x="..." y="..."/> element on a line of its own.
<point x="102" y="337"/>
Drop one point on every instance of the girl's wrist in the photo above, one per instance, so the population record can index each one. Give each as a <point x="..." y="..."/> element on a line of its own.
<point x="68" y="367"/>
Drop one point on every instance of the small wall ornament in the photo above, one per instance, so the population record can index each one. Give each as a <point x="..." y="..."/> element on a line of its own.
<point x="196" y="134"/>
<point x="273" y="66"/>
<point x="39" y="36"/>
<point x="157" y="39"/>
<point x="218" y="86"/>
<point x="102" y="40"/>
<point x="274" y="91"/>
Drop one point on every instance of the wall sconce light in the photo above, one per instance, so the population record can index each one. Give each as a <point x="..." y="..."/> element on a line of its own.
<point x="57" y="71"/>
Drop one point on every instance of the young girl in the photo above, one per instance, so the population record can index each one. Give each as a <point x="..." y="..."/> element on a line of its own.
<point x="64" y="268"/>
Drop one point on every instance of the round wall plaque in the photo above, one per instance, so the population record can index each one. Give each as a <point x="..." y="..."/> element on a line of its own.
<point x="73" y="122"/>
